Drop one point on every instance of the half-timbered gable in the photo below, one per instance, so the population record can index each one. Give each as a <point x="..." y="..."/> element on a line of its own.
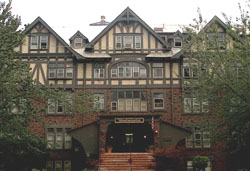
<point x="51" y="58"/>
<point x="128" y="34"/>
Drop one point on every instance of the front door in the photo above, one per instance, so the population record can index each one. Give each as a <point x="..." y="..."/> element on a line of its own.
<point x="129" y="137"/>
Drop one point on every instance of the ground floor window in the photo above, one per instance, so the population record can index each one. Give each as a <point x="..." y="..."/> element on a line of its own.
<point x="58" y="138"/>
<point x="190" y="167"/>
<point x="199" y="139"/>
<point x="58" y="165"/>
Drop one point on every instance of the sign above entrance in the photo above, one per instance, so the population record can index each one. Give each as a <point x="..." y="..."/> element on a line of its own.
<point x="129" y="120"/>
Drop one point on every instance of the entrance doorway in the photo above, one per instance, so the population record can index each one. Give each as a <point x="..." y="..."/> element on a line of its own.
<point x="129" y="137"/>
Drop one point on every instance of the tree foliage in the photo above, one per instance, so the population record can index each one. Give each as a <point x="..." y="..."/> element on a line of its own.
<point x="22" y="102"/>
<point x="222" y="78"/>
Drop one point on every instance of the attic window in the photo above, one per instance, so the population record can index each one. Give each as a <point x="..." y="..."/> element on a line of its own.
<point x="39" y="42"/>
<point x="177" y="42"/>
<point x="78" y="42"/>
<point x="128" y="42"/>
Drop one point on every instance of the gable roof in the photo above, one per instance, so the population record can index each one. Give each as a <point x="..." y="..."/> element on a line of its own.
<point x="215" y="19"/>
<point x="129" y="15"/>
<point x="40" y="20"/>
<point x="78" y="34"/>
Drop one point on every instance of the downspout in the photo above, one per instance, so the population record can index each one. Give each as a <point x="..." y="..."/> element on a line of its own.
<point x="172" y="93"/>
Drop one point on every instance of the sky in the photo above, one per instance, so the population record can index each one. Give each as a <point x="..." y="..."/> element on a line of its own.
<point x="66" y="17"/>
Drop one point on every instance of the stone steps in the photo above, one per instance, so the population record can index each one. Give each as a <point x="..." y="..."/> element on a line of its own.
<point x="122" y="162"/>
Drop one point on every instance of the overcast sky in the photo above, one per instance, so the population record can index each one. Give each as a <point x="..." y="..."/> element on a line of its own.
<point x="68" y="16"/>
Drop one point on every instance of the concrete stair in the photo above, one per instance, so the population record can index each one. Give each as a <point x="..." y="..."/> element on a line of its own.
<point x="122" y="162"/>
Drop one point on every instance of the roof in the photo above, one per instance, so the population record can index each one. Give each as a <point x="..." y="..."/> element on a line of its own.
<point x="40" y="20"/>
<point x="128" y="15"/>
<point x="179" y="127"/>
<point x="78" y="34"/>
<point x="215" y="19"/>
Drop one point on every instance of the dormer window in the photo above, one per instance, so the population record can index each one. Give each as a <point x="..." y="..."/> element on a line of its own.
<point x="177" y="42"/>
<point x="39" y="42"/>
<point x="78" y="42"/>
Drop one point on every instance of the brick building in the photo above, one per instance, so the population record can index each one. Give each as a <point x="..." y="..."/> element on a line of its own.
<point x="136" y="76"/>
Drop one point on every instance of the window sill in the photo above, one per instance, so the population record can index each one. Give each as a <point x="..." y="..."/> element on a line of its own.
<point x="60" y="78"/>
<point x="38" y="49"/>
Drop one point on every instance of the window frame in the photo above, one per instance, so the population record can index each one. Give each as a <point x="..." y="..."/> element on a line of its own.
<point x="133" y="40"/>
<point x="56" y="133"/>
<point x="128" y="70"/>
<point x="118" y="40"/>
<point x="204" y="142"/>
<point x="79" y="43"/>
<point x="32" y="46"/>
<point x="99" y="70"/>
<point x="180" y="41"/>
<point x="156" y="67"/>
<point x="38" y="44"/>
<point x="100" y="101"/>
<point x="138" y="42"/>
<point x="46" y="41"/>
<point x="63" y="67"/>
<point x="160" y="98"/>
<point x="121" y="103"/>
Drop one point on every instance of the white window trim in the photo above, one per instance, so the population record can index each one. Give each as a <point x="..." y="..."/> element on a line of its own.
<point x="78" y="41"/>
<point x="155" y="76"/>
<point x="113" y="72"/>
<point x="123" y="69"/>
<point x="44" y="41"/>
<point x="118" y="42"/>
<point x="32" y="46"/>
<point x="138" y="41"/>
<point x="125" y="39"/>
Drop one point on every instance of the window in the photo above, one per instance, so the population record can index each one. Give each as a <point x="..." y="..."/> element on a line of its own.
<point x="200" y="138"/>
<point x="60" y="107"/>
<point x="19" y="106"/>
<point x="129" y="101"/>
<point x="60" y="71"/>
<point x="34" y="42"/>
<point x="67" y="165"/>
<point x="44" y="42"/>
<point x="138" y="42"/>
<point x="49" y="166"/>
<point x="157" y="70"/>
<point x="39" y="42"/>
<point x="58" y="138"/>
<point x="128" y="42"/>
<point x="128" y="70"/>
<point x="216" y="37"/>
<point x="113" y="73"/>
<point x="78" y="42"/>
<point x="99" y="101"/>
<point x="58" y="165"/>
<point x="177" y="42"/>
<point x="99" y="70"/>
<point x="193" y="105"/>
<point x="118" y="42"/>
<point x="158" y="100"/>
<point x="190" y="166"/>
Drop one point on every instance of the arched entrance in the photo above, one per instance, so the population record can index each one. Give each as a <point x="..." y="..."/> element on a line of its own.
<point x="129" y="137"/>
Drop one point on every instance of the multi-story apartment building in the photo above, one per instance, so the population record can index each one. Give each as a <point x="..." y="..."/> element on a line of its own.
<point x="136" y="76"/>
